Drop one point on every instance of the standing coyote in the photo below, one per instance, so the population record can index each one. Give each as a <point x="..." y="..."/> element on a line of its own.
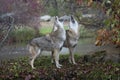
<point x="72" y="36"/>
<point x="50" y="42"/>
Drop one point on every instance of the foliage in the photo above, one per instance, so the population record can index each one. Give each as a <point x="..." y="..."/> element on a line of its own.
<point x="61" y="7"/>
<point x="23" y="34"/>
<point x="111" y="32"/>
<point x="84" y="32"/>
<point x="53" y="12"/>
<point x="45" y="70"/>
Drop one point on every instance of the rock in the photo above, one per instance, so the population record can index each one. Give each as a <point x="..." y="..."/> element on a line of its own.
<point x="88" y="15"/>
<point x="45" y="18"/>
<point x="65" y="18"/>
<point x="103" y="56"/>
<point x="95" y="57"/>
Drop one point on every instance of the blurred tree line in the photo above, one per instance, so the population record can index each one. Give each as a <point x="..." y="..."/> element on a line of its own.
<point x="63" y="7"/>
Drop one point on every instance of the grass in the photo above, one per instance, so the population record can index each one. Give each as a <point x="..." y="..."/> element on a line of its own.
<point x="20" y="69"/>
<point x="22" y="34"/>
<point x="45" y="30"/>
<point x="48" y="29"/>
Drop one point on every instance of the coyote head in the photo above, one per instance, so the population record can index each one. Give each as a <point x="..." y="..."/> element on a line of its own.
<point x="58" y="23"/>
<point x="73" y="24"/>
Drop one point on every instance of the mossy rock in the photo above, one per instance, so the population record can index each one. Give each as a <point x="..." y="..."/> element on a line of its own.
<point x="101" y="56"/>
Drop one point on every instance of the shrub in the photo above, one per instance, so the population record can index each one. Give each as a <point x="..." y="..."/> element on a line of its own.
<point x="23" y="34"/>
<point x="84" y="32"/>
<point x="53" y="12"/>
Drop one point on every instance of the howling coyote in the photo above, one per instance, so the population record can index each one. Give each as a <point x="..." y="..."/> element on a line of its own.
<point x="51" y="42"/>
<point x="72" y="36"/>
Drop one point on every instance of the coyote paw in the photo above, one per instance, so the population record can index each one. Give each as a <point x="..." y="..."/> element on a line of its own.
<point x="60" y="65"/>
<point x="33" y="68"/>
<point x="74" y="63"/>
<point x="32" y="65"/>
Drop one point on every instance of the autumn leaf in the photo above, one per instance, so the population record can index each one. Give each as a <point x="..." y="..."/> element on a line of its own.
<point x="90" y="2"/>
<point x="79" y="2"/>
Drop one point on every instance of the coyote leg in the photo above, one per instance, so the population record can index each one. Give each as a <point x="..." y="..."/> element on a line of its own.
<point x="35" y="53"/>
<point x="71" y="56"/>
<point x="52" y="57"/>
<point x="56" y="57"/>
<point x="70" y="59"/>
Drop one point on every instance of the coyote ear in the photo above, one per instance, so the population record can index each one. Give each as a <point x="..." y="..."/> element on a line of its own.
<point x="71" y="17"/>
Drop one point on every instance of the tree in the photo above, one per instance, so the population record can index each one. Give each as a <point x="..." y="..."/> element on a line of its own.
<point x="24" y="12"/>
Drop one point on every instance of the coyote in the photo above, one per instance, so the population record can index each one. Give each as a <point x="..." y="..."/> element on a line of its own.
<point x="72" y="36"/>
<point x="50" y="42"/>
